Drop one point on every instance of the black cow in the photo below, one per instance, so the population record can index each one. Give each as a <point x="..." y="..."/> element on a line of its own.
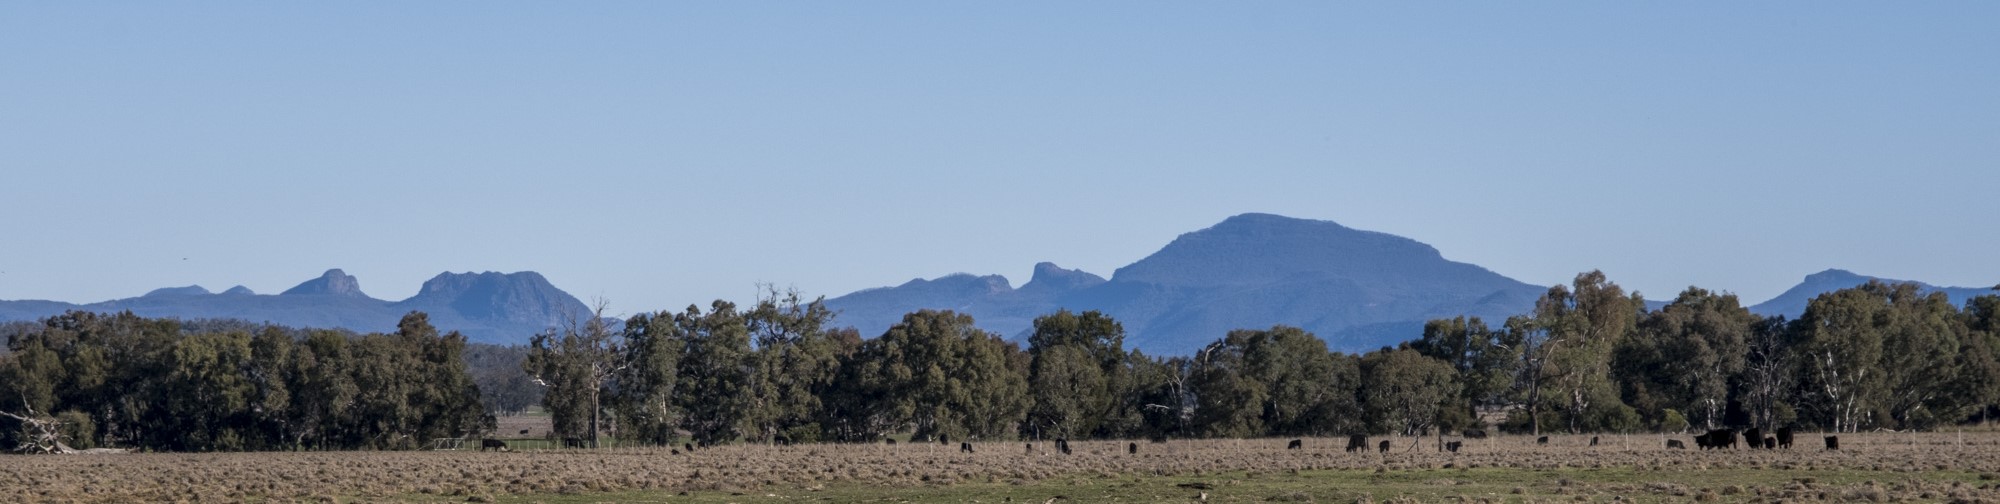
<point x="1542" y="440"/>
<point x="1716" y="439"/>
<point x="1296" y="444"/>
<point x="1785" y="437"/>
<point x="1357" y="443"/>
<point x="1676" y="444"/>
<point x="1475" y="434"/>
<point x="573" y="443"/>
<point x="965" y="447"/>
<point x="1453" y="446"/>
<point x="690" y="446"/>
<point x="1382" y="447"/>
<point x="1062" y="445"/>
<point x="1833" y="442"/>
<point x="1753" y="438"/>
<point x="1031" y="448"/>
<point x="1770" y="442"/>
<point x="1593" y="440"/>
<point x="524" y="432"/>
<point x="944" y="439"/>
<point x="492" y="444"/>
<point x="890" y="442"/>
<point x="1131" y="448"/>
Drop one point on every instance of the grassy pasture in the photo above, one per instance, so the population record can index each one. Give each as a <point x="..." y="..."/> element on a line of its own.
<point x="1934" y="467"/>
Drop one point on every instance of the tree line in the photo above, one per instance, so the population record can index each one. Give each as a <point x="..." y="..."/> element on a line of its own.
<point x="1589" y="357"/>
<point x="162" y="384"/>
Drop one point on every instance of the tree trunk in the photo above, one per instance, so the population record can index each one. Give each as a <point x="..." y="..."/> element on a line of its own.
<point x="595" y="408"/>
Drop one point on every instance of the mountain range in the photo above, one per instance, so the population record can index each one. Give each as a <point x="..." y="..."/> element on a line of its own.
<point x="488" y="307"/>
<point x="1356" y="289"/>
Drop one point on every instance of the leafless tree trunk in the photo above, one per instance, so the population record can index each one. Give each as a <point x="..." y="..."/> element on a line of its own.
<point x="44" y="433"/>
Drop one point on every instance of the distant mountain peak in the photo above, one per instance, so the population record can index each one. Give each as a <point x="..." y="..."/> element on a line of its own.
<point x="1834" y="274"/>
<point x="239" y="291"/>
<point x="524" y="297"/>
<point x="962" y="282"/>
<point x="1255" y="248"/>
<point x="191" y="290"/>
<point x="1793" y="301"/>
<point x="332" y="283"/>
<point x="1052" y="278"/>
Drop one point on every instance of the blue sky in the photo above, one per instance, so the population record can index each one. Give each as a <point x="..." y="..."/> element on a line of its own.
<point x="657" y="154"/>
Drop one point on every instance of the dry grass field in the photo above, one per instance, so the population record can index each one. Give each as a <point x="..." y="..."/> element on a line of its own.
<point x="1935" y="467"/>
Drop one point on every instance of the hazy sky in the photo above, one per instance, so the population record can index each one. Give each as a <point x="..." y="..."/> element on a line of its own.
<point x="657" y="154"/>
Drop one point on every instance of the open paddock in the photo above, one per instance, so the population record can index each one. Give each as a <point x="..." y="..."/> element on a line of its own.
<point x="1878" y="466"/>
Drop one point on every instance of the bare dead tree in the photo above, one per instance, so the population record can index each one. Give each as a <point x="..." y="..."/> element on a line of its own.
<point x="44" y="434"/>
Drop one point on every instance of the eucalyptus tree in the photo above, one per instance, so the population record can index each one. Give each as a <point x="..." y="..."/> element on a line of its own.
<point x="1923" y="348"/>
<point x="1484" y="359"/>
<point x="1280" y="381"/>
<point x="797" y="358"/>
<point x="940" y="375"/>
<point x="1583" y="325"/>
<point x="1979" y="359"/>
<point x="643" y="395"/>
<point x="1404" y="392"/>
<point x="1768" y="383"/>
<point x="1840" y="353"/>
<point x="713" y="389"/>
<point x="1077" y="373"/>
<point x="1685" y="356"/>
<point x="575" y="363"/>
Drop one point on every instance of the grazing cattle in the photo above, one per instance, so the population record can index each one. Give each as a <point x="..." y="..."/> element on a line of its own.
<point x="1753" y="438"/>
<point x="1382" y="447"/>
<point x="1542" y="440"/>
<point x="944" y="439"/>
<point x="1770" y="442"/>
<point x="492" y="444"/>
<point x="1675" y="444"/>
<point x="1131" y="448"/>
<point x="1833" y="442"/>
<point x="573" y="443"/>
<point x="891" y="442"/>
<point x="1031" y="448"/>
<point x="1296" y="444"/>
<point x="1785" y="437"/>
<point x="676" y="451"/>
<point x="965" y="447"/>
<point x="1453" y="446"/>
<point x="1593" y="440"/>
<point x="690" y="446"/>
<point x="1716" y="439"/>
<point x="1357" y="443"/>
<point x="524" y="432"/>
<point x="1062" y="445"/>
<point x="1475" y="434"/>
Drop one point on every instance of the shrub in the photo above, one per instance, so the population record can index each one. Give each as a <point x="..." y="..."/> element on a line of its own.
<point x="80" y="431"/>
<point x="1673" y="422"/>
